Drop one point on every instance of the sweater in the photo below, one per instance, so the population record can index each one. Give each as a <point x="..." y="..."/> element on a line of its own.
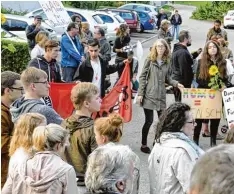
<point x="21" y="106"/>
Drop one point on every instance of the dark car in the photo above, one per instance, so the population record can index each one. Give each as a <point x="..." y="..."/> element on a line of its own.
<point x="131" y="17"/>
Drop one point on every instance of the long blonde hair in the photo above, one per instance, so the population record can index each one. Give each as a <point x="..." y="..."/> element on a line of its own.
<point x="154" y="54"/>
<point x="22" y="136"/>
<point x="41" y="38"/>
<point x="110" y="126"/>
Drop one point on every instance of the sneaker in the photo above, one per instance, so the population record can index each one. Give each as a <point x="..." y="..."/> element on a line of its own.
<point x="145" y="150"/>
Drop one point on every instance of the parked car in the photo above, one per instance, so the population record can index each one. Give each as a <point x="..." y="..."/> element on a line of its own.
<point x="131" y="17"/>
<point x="113" y="21"/>
<point x="147" y="21"/>
<point x="87" y="16"/>
<point x="17" y="24"/>
<point x="228" y="20"/>
<point x="12" y="37"/>
<point x="153" y="11"/>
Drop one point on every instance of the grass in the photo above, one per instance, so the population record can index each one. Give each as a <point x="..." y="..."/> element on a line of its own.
<point x="193" y="3"/>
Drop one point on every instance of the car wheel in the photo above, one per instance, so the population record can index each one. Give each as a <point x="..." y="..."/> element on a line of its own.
<point x="142" y="28"/>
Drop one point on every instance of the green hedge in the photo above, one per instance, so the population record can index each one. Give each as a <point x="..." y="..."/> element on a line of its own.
<point x="16" y="61"/>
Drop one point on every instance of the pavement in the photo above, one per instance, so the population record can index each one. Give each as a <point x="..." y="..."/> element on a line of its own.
<point x="132" y="130"/>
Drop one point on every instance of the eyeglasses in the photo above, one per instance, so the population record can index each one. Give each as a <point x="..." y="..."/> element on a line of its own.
<point x="45" y="82"/>
<point x="160" y="46"/>
<point x="21" y="89"/>
<point x="192" y="122"/>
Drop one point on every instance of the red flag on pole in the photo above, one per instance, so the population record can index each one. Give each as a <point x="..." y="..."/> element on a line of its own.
<point x="60" y="94"/>
<point x="119" y="99"/>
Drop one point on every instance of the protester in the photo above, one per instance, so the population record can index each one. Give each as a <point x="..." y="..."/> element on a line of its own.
<point x="35" y="86"/>
<point x="152" y="91"/>
<point x="214" y="172"/>
<point x="182" y="62"/>
<point x="108" y="129"/>
<point x="105" y="48"/>
<point x="164" y="32"/>
<point x="174" y="154"/>
<point x="72" y="52"/>
<point x="121" y="46"/>
<point x="39" y="49"/>
<point x="11" y="89"/>
<point x="86" y="100"/>
<point x="32" y="31"/>
<point x="216" y="30"/>
<point x="21" y="141"/>
<point x="76" y="18"/>
<point x="45" y="172"/>
<point x="161" y="16"/>
<point x="86" y="31"/>
<point x="230" y="136"/>
<point x="47" y="62"/>
<point x="211" y="59"/>
<point x="226" y="52"/>
<point x="176" y="21"/>
<point x="112" y="169"/>
<point x="94" y="69"/>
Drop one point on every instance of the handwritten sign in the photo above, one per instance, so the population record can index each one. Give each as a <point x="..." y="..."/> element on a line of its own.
<point x="204" y="103"/>
<point x="228" y="99"/>
<point x="56" y="13"/>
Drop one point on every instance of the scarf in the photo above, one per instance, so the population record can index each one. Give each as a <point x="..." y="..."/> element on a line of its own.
<point x="166" y="136"/>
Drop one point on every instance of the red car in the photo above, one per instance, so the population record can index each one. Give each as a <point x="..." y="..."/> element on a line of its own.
<point x="131" y="17"/>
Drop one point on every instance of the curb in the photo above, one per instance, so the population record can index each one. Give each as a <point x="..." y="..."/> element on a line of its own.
<point x="134" y="46"/>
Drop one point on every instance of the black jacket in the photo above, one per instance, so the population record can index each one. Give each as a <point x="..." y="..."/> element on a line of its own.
<point x="105" y="49"/>
<point x="160" y="18"/>
<point x="31" y="33"/>
<point x="182" y="62"/>
<point x="84" y="72"/>
<point x="174" y="22"/>
<point x="51" y="68"/>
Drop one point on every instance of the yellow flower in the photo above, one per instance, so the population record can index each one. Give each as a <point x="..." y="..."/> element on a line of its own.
<point x="3" y="19"/>
<point x="213" y="70"/>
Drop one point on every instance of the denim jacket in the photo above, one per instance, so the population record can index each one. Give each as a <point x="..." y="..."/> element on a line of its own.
<point x="70" y="57"/>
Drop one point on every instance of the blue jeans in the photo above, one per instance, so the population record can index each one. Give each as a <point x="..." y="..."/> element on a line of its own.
<point x="68" y="73"/>
<point x="175" y="29"/>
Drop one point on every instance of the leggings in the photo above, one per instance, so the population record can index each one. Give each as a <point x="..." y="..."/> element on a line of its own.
<point x="214" y="125"/>
<point x="149" y="118"/>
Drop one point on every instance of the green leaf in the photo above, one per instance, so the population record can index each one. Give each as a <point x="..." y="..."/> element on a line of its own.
<point x="3" y="34"/>
<point x="11" y="48"/>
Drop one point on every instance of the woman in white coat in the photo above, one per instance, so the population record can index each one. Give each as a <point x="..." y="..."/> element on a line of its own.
<point x="174" y="154"/>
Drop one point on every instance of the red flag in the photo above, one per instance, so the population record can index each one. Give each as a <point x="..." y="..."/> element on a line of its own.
<point x="60" y="94"/>
<point x="119" y="99"/>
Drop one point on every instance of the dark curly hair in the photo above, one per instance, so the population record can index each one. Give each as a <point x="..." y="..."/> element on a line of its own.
<point x="172" y="119"/>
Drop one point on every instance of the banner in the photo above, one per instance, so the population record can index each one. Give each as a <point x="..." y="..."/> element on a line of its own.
<point x="204" y="103"/>
<point x="228" y="99"/>
<point x="119" y="99"/>
<point x="60" y="94"/>
<point x="56" y="13"/>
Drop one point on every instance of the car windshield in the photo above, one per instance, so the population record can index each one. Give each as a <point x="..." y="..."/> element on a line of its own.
<point x="120" y="19"/>
<point x="231" y="13"/>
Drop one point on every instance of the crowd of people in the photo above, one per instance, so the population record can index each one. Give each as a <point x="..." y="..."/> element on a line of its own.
<point x="44" y="153"/>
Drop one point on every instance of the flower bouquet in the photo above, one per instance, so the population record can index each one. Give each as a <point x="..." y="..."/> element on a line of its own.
<point x="215" y="78"/>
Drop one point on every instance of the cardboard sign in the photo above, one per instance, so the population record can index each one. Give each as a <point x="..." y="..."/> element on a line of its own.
<point x="56" y="13"/>
<point x="204" y="103"/>
<point x="228" y="99"/>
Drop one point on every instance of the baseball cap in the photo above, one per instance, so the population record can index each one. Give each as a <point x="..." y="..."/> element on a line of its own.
<point x="38" y="17"/>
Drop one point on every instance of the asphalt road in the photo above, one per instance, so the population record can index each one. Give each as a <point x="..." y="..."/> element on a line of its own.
<point x="132" y="130"/>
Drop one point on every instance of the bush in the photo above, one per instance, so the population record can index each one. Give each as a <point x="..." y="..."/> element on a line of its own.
<point x="212" y="11"/>
<point x="16" y="61"/>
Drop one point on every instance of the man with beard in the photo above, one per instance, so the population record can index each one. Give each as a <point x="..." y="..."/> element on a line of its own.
<point x="216" y="30"/>
<point x="182" y="62"/>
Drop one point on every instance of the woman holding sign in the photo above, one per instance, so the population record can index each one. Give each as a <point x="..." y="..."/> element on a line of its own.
<point x="152" y="91"/>
<point x="211" y="74"/>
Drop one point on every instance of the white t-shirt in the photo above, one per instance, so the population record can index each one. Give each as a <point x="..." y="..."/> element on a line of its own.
<point x="97" y="73"/>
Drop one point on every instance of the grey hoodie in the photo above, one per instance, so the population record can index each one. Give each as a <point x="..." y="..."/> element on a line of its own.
<point x="45" y="173"/>
<point x="21" y="106"/>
